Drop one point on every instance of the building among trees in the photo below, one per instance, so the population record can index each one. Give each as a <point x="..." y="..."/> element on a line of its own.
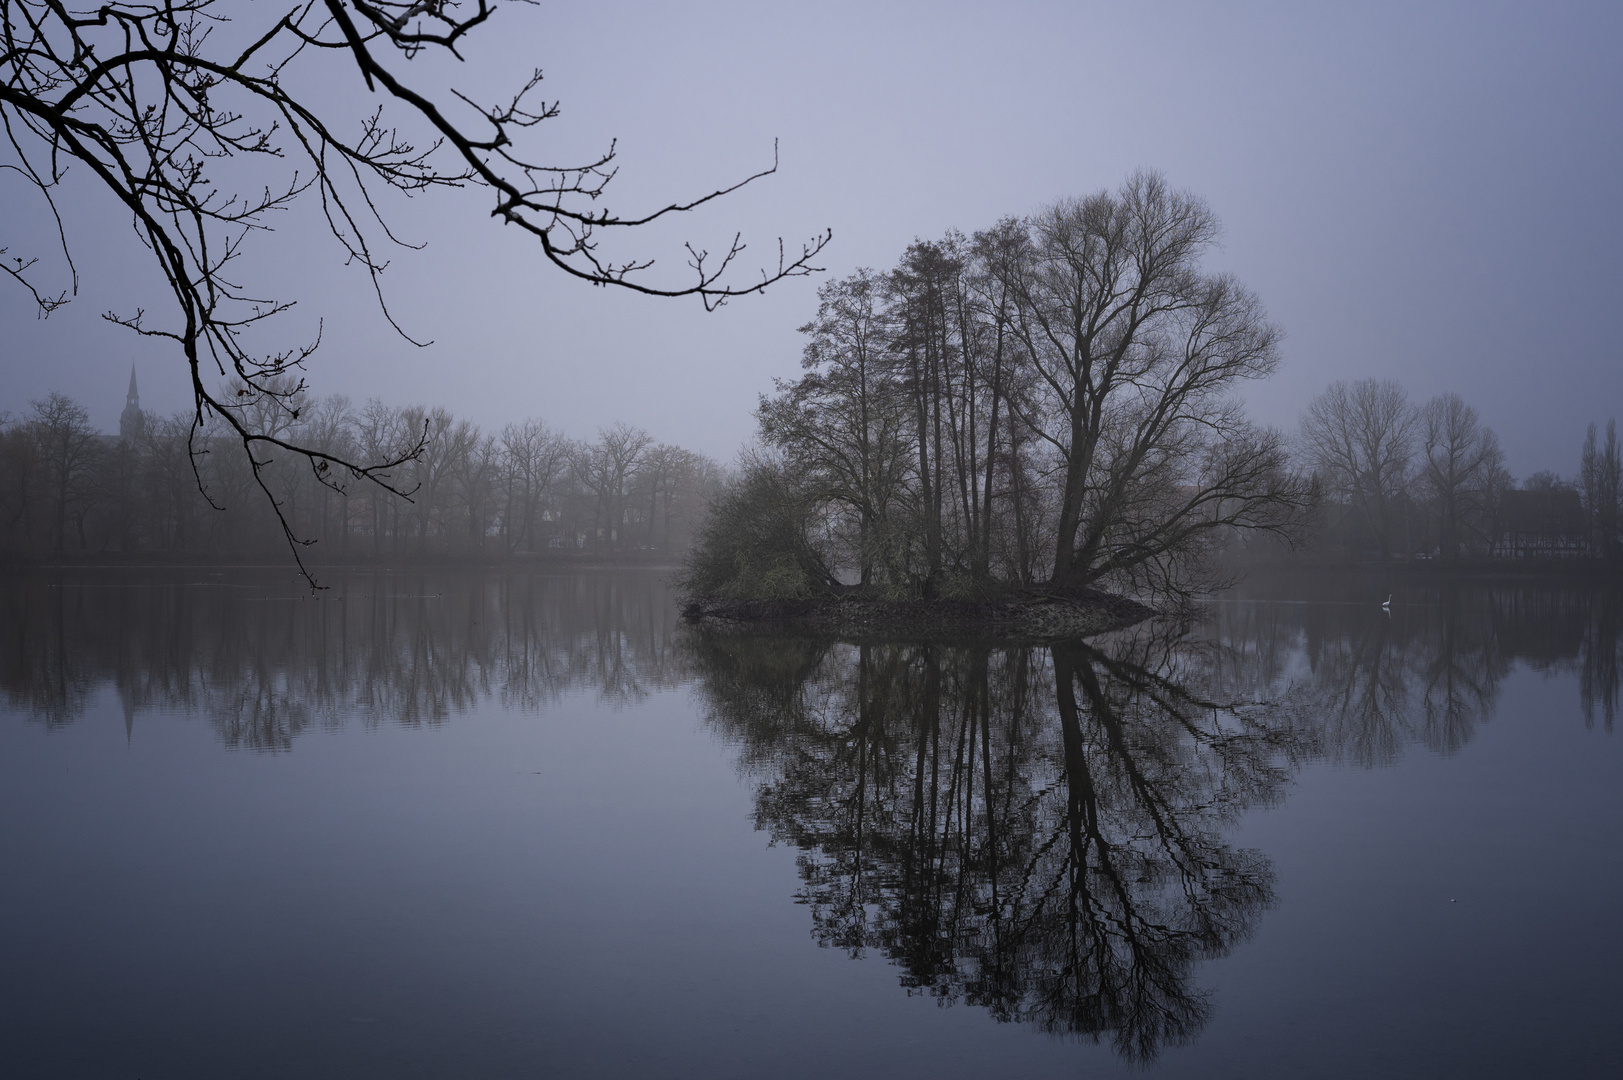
<point x="1399" y="480"/>
<point x="1542" y="524"/>
<point x="132" y="421"/>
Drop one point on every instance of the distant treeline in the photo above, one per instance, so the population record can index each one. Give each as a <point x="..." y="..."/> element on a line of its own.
<point x="164" y="487"/>
<point x="1396" y="479"/>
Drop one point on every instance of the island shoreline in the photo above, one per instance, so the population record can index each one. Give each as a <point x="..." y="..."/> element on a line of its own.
<point x="1033" y="616"/>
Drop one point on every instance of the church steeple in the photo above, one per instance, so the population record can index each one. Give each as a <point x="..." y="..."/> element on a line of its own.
<point x="131" y="421"/>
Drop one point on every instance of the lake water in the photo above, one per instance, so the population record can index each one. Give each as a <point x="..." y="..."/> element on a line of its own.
<point x="485" y="825"/>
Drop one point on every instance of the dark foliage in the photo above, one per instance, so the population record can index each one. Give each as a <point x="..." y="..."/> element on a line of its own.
<point x="759" y="539"/>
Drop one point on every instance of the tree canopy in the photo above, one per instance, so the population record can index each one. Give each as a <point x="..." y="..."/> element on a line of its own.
<point x="1051" y="400"/>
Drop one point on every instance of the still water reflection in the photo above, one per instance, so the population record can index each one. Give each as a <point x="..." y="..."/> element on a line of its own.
<point x="1039" y="832"/>
<point x="1044" y="834"/>
<point x="262" y="660"/>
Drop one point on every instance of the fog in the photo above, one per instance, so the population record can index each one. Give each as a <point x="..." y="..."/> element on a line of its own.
<point x="1424" y="193"/>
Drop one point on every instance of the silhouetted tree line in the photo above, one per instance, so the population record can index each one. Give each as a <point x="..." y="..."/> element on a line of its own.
<point x="1053" y="401"/>
<point x="164" y="486"/>
<point x="1049" y="400"/>
<point x="1399" y="479"/>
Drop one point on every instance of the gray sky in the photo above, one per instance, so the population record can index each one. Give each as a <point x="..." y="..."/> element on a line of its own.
<point x="1426" y="192"/>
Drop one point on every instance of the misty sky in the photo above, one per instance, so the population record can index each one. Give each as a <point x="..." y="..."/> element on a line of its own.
<point x="1426" y="192"/>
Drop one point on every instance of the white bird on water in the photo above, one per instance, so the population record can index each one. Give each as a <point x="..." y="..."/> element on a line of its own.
<point x="1386" y="605"/>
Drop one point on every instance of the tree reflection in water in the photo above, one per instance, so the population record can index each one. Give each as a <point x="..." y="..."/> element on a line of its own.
<point x="1429" y="673"/>
<point x="1035" y="831"/>
<point x="1039" y="832"/>
<point x="1601" y="659"/>
<point x="262" y="660"/>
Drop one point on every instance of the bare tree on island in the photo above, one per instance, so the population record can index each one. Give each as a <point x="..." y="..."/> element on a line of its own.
<point x="1138" y="353"/>
<point x="1049" y="404"/>
<point x="154" y="98"/>
<point x="841" y="423"/>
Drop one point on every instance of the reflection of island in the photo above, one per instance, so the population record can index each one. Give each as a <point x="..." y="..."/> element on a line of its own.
<point x="1041" y="832"/>
<point x="262" y="661"/>
<point x="1037" y="832"/>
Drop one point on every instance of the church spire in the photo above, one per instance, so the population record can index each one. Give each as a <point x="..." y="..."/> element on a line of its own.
<point x="131" y="421"/>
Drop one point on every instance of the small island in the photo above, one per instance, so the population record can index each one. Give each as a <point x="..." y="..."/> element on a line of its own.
<point x="1030" y="616"/>
<point x="1009" y="433"/>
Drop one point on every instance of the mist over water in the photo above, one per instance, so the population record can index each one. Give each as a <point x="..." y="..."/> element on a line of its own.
<point x="468" y="778"/>
<point x="526" y="824"/>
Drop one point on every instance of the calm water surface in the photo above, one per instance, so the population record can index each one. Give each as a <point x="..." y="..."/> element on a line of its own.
<point x="527" y="825"/>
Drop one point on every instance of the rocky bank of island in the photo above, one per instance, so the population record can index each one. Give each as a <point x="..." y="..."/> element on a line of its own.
<point x="854" y="614"/>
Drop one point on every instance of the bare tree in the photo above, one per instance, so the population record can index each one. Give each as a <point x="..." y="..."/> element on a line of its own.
<point x="1137" y="352"/>
<point x="67" y="448"/>
<point x="534" y="457"/>
<point x="170" y="486"/>
<point x="1602" y="478"/>
<point x="998" y="251"/>
<point x="330" y="424"/>
<point x="445" y="440"/>
<point x="167" y="104"/>
<point x="1052" y="398"/>
<point x="922" y="288"/>
<point x="1546" y="480"/>
<point x="666" y="479"/>
<point x="1462" y="472"/>
<point x="380" y="436"/>
<point x="1359" y="437"/>
<point x="474" y="473"/>
<point x="18" y="476"/>
<point x="840" y="424"/>
<point x="607" y="468"/>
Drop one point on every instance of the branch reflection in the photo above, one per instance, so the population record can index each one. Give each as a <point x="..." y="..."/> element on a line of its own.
<point x="1042" y="832"/>
<point x="1038" y="832"/>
